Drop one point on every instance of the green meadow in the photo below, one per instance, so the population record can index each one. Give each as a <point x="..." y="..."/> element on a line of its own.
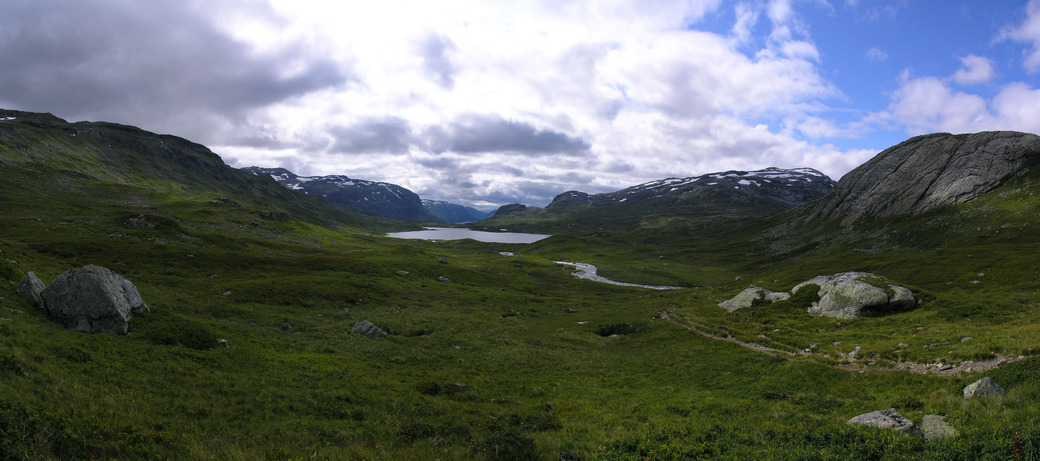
<point x="492" y="356"/>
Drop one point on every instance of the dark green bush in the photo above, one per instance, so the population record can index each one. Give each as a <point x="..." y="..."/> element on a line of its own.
<point x="506" y="445"/>
<point x="615" y="329"/>
<point x="174" y="330"/>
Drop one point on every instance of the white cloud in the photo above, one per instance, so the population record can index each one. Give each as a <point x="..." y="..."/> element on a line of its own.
<point x="875" y="54"/>
<point x="1028" y="31"/>
<point x="928" y="104"/>
<point x="977" y="69"/>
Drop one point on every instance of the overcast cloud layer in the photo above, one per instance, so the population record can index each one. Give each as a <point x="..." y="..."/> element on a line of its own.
<point x="485" y="102"/>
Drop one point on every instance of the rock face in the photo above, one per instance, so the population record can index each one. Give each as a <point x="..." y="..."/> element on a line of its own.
<point x="30" y="288"/>
<point x="936" y="427"/>
<point x="751" y="294"/>
<point x="847" y="295"/>
<point x="984" y="387"/>
<point x="926" y="172"/>
<point x="368" y="329"/>
<point x="93" y="299"/>
<point x="887" y="419"/>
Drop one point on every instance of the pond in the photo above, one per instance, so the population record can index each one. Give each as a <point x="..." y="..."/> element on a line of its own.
<point x="455" y="233"/>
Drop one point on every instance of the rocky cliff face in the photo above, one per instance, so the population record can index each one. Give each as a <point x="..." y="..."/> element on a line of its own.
<point x="453" y="213"/>
<point x="367" y="197"/>
<point x="926" y="172"/>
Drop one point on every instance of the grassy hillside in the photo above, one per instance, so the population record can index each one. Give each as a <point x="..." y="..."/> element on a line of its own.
<point x="492" y="356"/>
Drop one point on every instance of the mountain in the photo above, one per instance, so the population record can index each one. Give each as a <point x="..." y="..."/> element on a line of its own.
<point x="453" y="213"/>
<point x="366" y="197"/>
<point x="47" y="160"/>
<point x="771" y="187"/>
<point x="698" y="204"/>
<point x="926" y="172"/>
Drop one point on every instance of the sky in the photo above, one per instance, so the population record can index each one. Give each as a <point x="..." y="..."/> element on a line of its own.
<point x="485" y="103"/>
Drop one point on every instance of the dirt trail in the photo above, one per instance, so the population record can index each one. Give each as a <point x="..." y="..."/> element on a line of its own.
<point x="912" y="367"/>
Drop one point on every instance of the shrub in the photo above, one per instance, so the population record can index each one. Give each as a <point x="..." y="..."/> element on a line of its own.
<point x="505" y="445"/>
<point x="177" y="331"/>
<point x="615" y="329"/>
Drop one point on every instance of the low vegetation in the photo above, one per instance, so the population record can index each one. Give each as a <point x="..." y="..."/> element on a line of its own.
<point x="507" y="357"/>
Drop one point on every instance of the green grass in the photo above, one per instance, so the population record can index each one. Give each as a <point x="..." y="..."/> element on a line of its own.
<point x="514" y="358"/>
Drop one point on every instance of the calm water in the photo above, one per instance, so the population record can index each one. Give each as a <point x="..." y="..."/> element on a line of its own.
<point x="452" y="233"/>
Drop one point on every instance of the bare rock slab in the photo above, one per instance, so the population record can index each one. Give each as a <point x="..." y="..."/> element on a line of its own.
<point x="984" y="387"/>
<point x="936" y="427"/>
<point x="93" y="299"/>
<point x="887" y="419"/>
<point x="751" y="294"/>
<point x="30" y="288"/>
<point x="368" y="329"/>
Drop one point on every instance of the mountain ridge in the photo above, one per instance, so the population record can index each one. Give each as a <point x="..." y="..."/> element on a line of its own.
<point x="373" y="198"/>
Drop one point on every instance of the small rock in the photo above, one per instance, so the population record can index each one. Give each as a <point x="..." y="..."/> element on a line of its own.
<point x="368" y="329"/>
<point x="222" y="342"/>
<point x="227" y="293"/>
<point x="402" y="272"/>
<point x="984" y="387"/>
<point x="966" y="338"/>
<point x="903" y="345"/>
<point x="739" y="278"/>
<point x="442" y="260"/>
<point x="936" y="427"/>
<point x="887" y="419"/>
<point x="30" y="288"/>
<point x="213" y="276"/>
<point x="443" y="279"/>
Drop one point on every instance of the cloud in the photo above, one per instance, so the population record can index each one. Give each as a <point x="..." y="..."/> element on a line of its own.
<point x="161" y="65"/>
<point x="1028" y="31"/>
<point x="875" y="54"/>
<point x="977" y="69"/>
<point x="484" y="134"/>
<point x="390" y="135"/>
<point x="929" y="104"/>
<point x="436" y="60"/>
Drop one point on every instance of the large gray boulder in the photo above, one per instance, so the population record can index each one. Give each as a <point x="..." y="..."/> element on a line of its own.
<point x="751" y="294"/>
<point x="887" y="419"/>
<point x="93" y="299"/>
<point x="30" y="288"/>
<point x="984" y="387"/>
<point x="926" y="172"/>
<point x="936" y="427"/>
<point x="847" y="295"/>
<point x="368" y="329"/>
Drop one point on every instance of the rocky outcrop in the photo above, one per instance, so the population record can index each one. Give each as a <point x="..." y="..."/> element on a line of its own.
<point x="368" y="329"/>
<point x="849" y="295"/>
<point x="751" y="294"/>
<point x="936" y="427"/>
<point x="984" y="387"/>
<point x="926" y="172"/>
<point x="93" y="299"/>
<point x="887" y="419"/>
<point x="30" y="288"/>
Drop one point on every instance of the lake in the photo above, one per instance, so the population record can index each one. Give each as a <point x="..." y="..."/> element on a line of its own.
<point x="454" y="233"/>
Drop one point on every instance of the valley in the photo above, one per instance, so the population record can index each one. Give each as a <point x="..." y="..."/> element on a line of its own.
<point x="494" y="350"/>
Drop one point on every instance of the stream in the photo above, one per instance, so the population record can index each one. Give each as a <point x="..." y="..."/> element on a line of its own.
<point x="588" y="272"/>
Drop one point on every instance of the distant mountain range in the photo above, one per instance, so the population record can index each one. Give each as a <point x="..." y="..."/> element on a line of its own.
<point x="372" y="198"/>
<point x="453" y="213"/>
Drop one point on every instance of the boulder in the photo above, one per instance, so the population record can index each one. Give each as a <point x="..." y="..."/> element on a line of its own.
<point x="847" y="295"/>
<point x="93" y="299"/>
<point x="936" y="427"/>
<point x="887" y="419"/>
<point x="30" y="288"/>
<point x="368" y="329"/>
<point x="984" y="387"/>
<point x="748" y="297"/>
